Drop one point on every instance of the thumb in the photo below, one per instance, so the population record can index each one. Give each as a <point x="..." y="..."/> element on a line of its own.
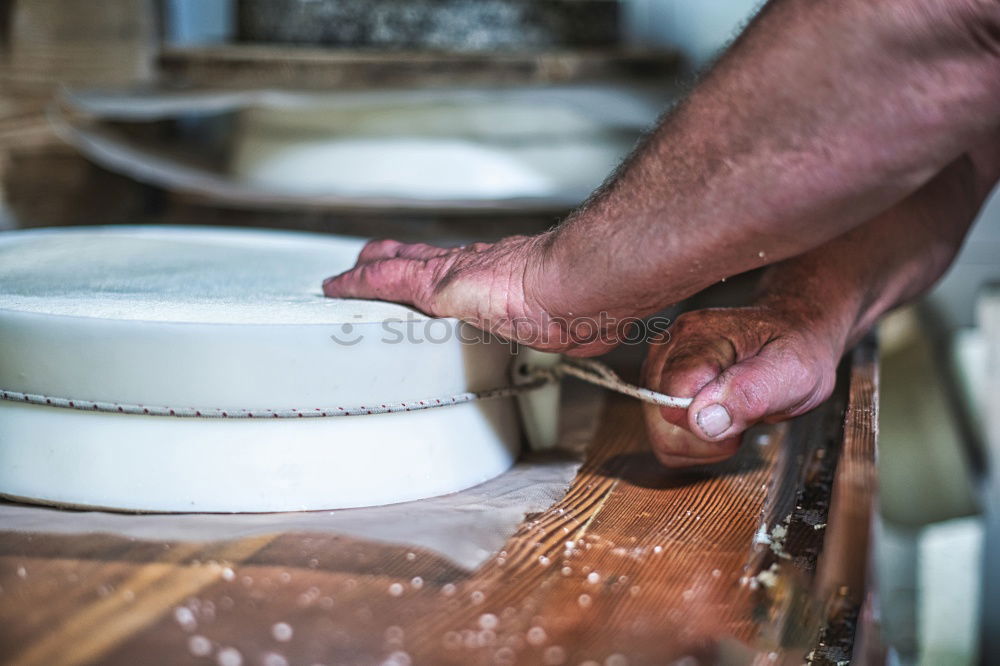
<point x="761" y="386"/>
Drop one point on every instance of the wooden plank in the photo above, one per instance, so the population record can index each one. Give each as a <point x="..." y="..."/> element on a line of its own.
<point x="635" y="565"/>
<point x="844" y="579"/>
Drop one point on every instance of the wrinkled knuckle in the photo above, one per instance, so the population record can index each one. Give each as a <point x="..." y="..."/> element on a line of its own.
<point x="683" y="354"/>
<point x="441" y="274"/>
<point x="375" y="249"/>
<point x="383" y="244"/>
<point x="374" y="274"/>
<point x="688" y="379"/>
<point x="751" y="397"/>
<point x="801" y="371"/>
<point x="439" y="269"/>
<point x="798" y="367"/>
<point x="686" y="340"/>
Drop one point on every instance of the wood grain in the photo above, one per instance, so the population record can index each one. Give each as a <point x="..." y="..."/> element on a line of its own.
<point x="758" y="560"/>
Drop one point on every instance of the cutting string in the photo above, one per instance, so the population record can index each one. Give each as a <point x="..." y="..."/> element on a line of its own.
<point x="598" y="373"/>
<point x="532" y="378"/>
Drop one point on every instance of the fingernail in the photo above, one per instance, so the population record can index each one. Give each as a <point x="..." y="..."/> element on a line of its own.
<point x="714" y="420"/>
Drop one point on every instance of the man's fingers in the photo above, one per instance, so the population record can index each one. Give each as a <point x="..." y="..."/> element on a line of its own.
<point x="378" y="249"/>
<point x="740" y="369"/>
<point x="389" y="249"/>
<point x="423" y="251"/>
<point x="674" y="446"/>
<point x="726" y="405"/>
<point x="690" y="366"/>
<point x="682" y="367"/>
<point x="748" y="392"/>
<point x="391" y="271"/>
<point x="400" y="280"/>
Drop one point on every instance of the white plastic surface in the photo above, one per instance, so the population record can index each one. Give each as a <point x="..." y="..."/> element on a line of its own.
<point x="229" y="318"/>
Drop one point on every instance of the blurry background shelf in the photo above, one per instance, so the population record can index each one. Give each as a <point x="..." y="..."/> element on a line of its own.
<point x="240" y="66"/>
<point x="458" y="26"/>
<point x="147" y="44"/>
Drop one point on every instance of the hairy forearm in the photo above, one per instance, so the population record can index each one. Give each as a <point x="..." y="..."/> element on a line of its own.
<point x="821" y="116"/>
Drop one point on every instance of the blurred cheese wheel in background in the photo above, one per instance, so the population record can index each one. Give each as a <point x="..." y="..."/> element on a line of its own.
<point x="465" y="148"/>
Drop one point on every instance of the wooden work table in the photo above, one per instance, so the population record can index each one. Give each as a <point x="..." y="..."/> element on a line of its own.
<point x="763" y="559"/>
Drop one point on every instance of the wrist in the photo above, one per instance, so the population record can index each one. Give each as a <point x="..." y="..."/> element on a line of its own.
<point x="544" y="276"/>
<point x="565" y="278"/>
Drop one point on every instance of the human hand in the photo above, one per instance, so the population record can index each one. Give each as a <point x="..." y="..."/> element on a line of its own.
<point x="741" y="366"/>
<point x="501" y="287"/>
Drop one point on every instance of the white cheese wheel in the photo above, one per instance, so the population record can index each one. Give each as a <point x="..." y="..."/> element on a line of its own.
<point x="232" y="320"/>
